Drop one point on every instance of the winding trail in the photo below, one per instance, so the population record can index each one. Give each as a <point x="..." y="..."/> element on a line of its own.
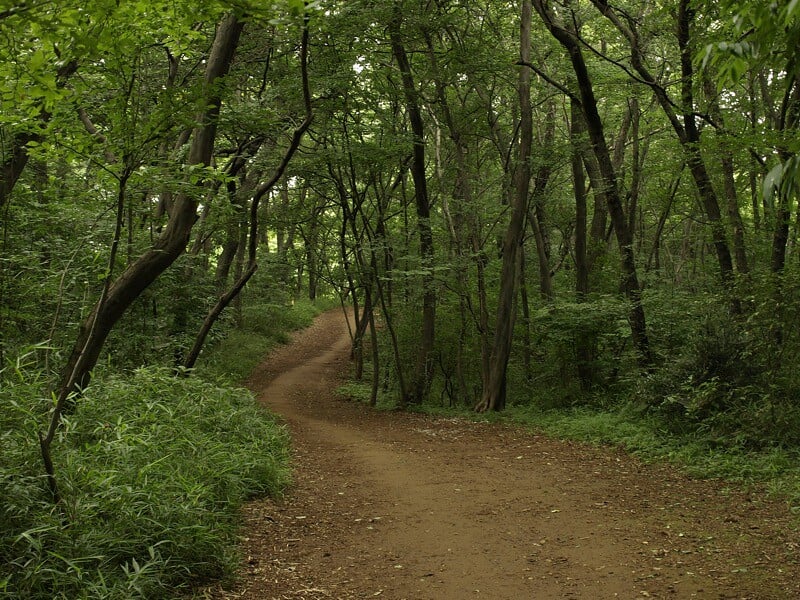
<point x="403" y="506"/>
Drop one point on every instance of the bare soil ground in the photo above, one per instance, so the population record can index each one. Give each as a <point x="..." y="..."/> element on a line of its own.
<point x="405" y="506"/>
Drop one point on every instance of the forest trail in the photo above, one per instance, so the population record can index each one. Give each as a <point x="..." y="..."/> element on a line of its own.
<point x="404" y="506"/>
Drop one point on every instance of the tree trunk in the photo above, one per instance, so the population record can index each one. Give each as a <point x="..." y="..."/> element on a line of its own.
<point x="493" y="396"/>
<point x="373" y="342"/>
<point x="536" y="214"/>
<point x="688" y="133"/>
<point x="584" y="343"/>
<point x="172" y="241"/>
<point x="423" y="375"/>
<point x="594" y="124"/>
<point x="17" y="158"/>
<point x="251" y="240"/>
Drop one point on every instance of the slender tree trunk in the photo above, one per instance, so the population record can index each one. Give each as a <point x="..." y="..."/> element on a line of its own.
<point x="787" y="120"/>
<point x="347" y="264"/>
<point x="584" y="343"/>
<point x="654" y="258"/>
<point x="376" y="363"/>
<point x="594" y="125"/>
<point x="688" y="132"/>
<point x="729" y="182"/>
<point x="493" y="396"/>
<point x="387" y="317"/>
<point x="536" y="214"/>
<point x="527" y="349"/>
<point x="232" y="245"/>
<point x="424" y="363"/>
<point x="465" y="224"/>
<point x="311" y="242"/>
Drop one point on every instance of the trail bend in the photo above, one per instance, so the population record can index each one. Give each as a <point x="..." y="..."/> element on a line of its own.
<point x="404" y="506"/>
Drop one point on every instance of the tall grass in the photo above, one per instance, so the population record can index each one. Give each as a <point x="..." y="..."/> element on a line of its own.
<point x="152" y="469"/>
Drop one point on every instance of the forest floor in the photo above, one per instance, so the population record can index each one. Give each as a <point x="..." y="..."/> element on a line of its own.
<point x="408" y="506"/>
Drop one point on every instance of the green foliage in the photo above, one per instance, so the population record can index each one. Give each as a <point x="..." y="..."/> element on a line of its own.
<point x="557" y="329"/>
<point x="152" y="469"/>
<point x="263" y="327"/>
<point x="355" y="390"/>
<point x="760" y="29"/>
<point x="729" y="380"/>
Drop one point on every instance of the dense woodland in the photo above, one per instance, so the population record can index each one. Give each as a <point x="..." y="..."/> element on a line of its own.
<point x="543" y="203"/>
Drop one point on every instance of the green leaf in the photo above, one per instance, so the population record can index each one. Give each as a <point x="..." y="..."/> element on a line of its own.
<point x="772" y="182"/>
<point x="790" y="10"/>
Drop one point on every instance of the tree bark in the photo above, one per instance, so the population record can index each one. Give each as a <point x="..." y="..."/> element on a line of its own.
<point x="169" y="245"/>
<point x="493" y="396"/>
<point x="420" y="385"/>
<point x="787" y="120"/>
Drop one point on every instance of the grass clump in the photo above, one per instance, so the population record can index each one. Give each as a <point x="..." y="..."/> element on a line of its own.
<point x="152" y="470"/>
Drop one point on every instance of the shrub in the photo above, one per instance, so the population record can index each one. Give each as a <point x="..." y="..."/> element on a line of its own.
<point x="152" y="470"/>
<point x="263" y="326"/>
<point x="721" y="387"/>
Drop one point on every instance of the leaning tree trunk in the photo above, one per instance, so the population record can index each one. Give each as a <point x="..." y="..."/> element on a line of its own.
<point x="171" y="243"/>
<point x="594" y="125"/>
<point x="252" y="248"/>
<point x="173" y="240"/>
<point x="121" y="293"/>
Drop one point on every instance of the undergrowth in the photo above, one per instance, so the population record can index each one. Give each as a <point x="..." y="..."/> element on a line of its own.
<point x="152" y="470"/>
<point x="263" y="327"/>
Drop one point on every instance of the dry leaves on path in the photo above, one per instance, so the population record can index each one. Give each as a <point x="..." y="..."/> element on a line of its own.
<point x="402" y="506"/>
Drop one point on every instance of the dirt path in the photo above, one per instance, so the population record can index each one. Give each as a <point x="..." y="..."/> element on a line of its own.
<point x="412" y="507"/>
